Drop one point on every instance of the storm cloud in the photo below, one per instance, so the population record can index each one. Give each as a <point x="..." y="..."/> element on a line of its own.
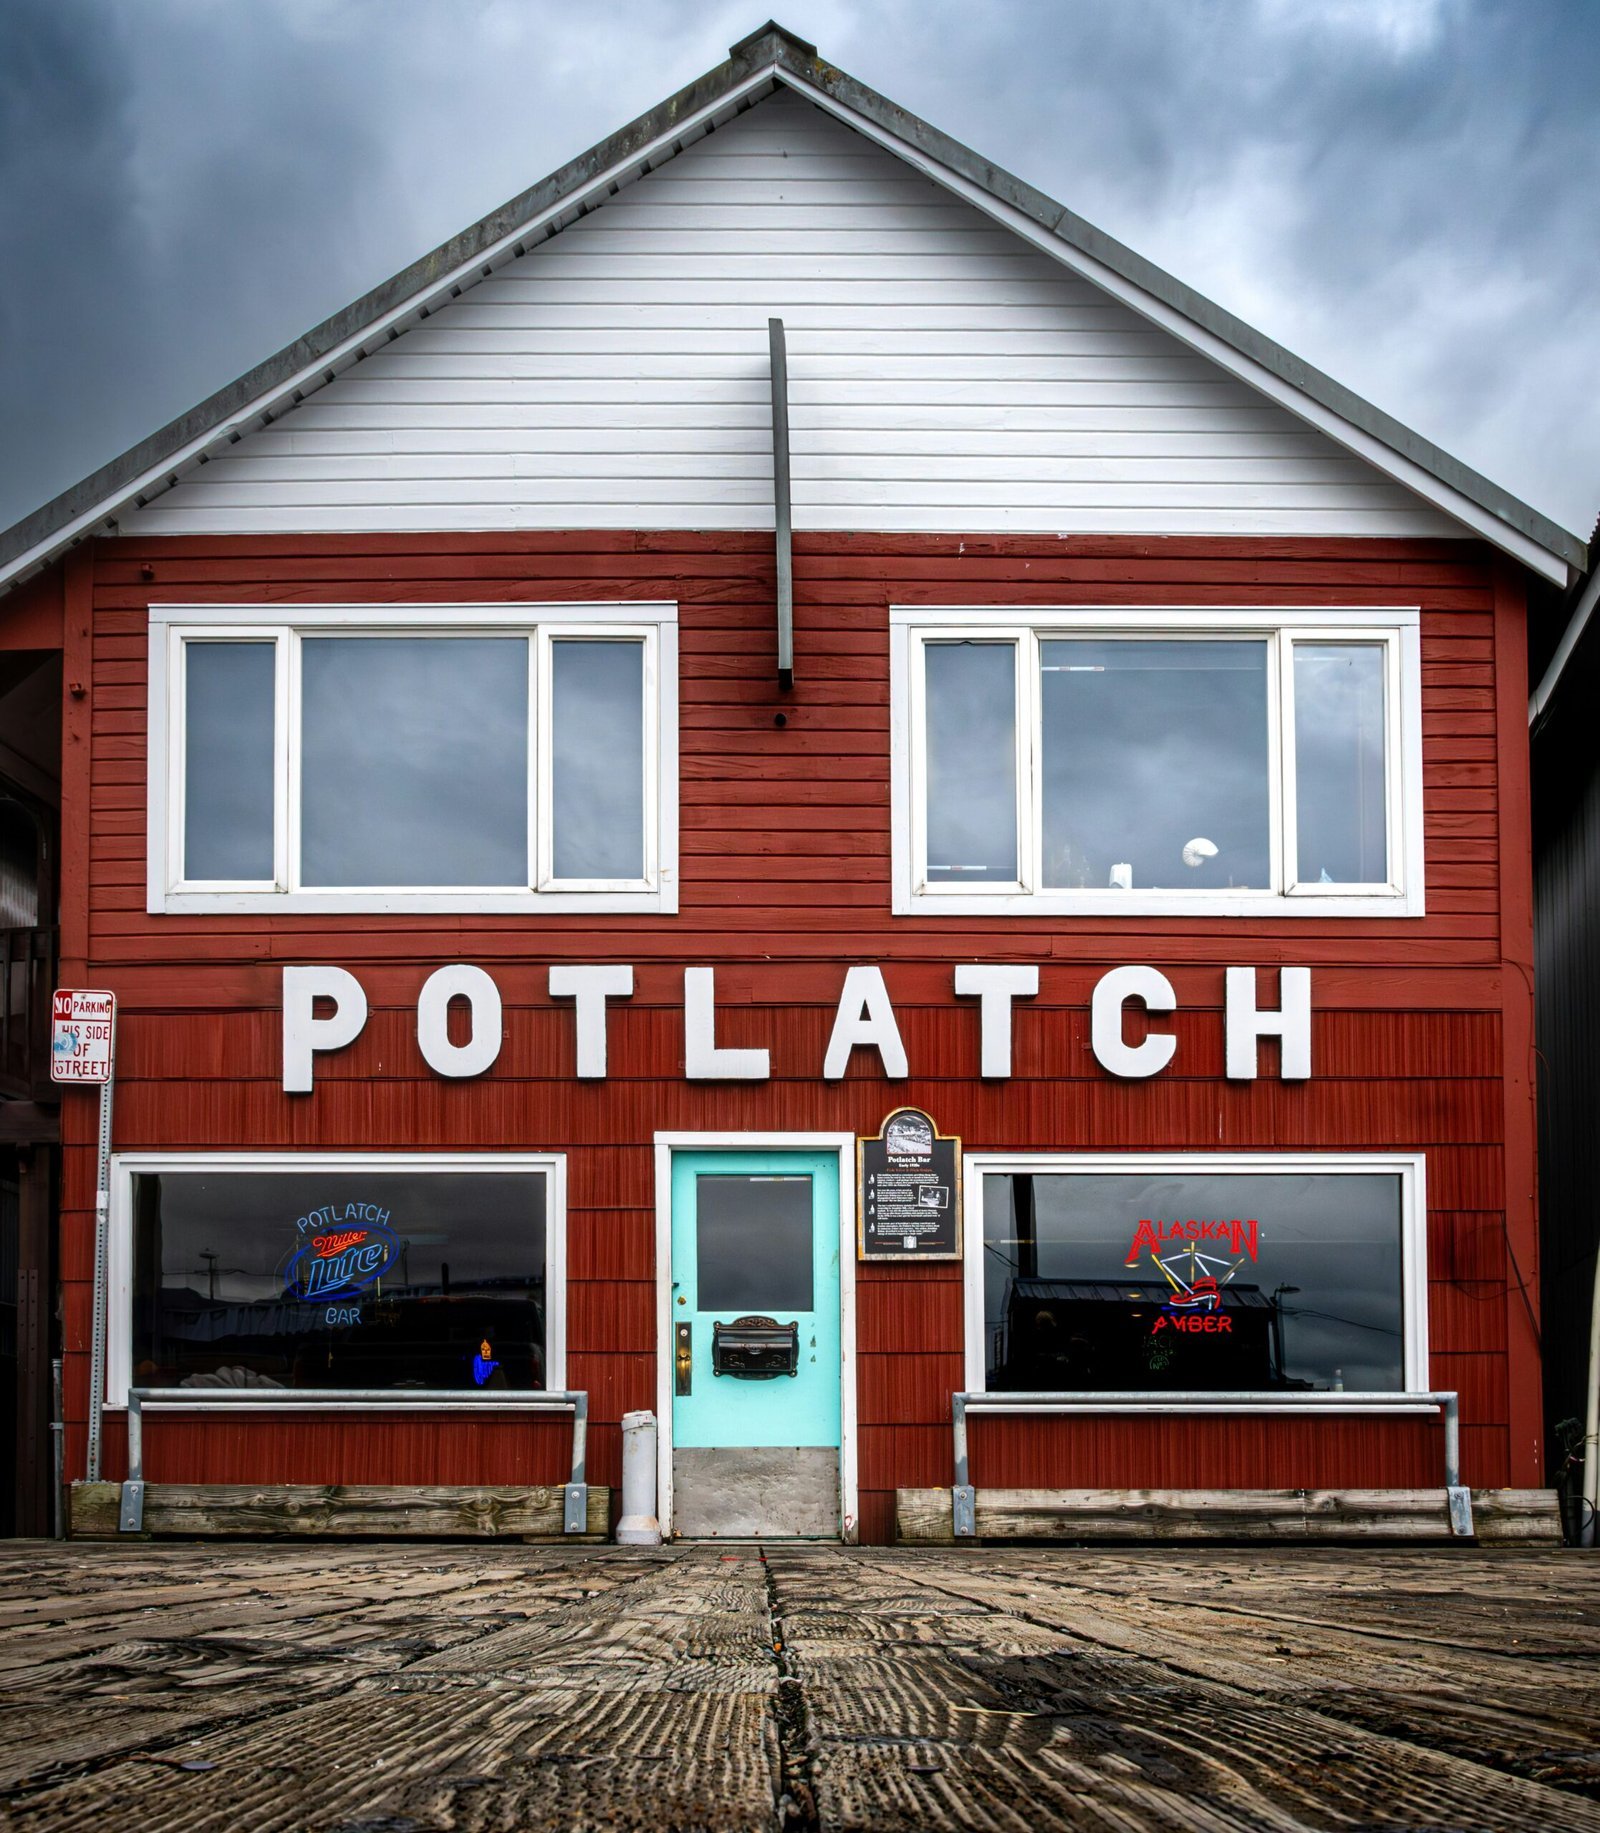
<point x="1401" y="191"/>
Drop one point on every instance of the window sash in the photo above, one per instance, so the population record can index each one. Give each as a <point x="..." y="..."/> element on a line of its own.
<point x="552" y="1166"/>
<point x="1409" y="1167"/>
<point x="288" y="640"/>
<point x="1282" y="635"/>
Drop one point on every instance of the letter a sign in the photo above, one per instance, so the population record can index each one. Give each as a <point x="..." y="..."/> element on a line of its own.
<point x="82" y="1027"/>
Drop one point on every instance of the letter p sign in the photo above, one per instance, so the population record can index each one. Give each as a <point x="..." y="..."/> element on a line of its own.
<point x="304" y="1033"/>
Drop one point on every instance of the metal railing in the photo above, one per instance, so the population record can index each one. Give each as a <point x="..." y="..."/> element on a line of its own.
<point x="575" y="1496"/>
<point x="27" y="979"/>
<point x="964" y="1497"/>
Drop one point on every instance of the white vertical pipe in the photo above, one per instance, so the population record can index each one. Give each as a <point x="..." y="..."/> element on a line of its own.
<point x="638" y="1526"/>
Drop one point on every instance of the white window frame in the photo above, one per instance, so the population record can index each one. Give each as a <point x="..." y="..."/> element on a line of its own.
<point x="1409" y="1167"/>
<point x="1397" y="629"/>
<point x="174" y="627"/>
<point x="552" y="1166"/>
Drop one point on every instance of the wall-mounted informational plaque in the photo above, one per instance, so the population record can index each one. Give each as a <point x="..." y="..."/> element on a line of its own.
<point x="908" y="1191"/>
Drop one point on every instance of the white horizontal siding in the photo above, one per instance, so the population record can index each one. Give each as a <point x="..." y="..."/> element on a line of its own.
<point x="942" y="376"/>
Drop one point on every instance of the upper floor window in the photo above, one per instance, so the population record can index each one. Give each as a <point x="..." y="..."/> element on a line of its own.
<point x="1223" y="762"/>
<point x="480" y="758"/>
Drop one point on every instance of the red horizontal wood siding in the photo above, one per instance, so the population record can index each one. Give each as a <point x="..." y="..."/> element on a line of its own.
<point x="785" y="881"/>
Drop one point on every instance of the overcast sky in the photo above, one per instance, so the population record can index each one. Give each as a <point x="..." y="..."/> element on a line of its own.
<point x="1405" y="192"/>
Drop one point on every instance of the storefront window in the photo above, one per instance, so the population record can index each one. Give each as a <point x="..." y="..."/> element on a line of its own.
<point x="303" y="1278"/>
<point x="1130" y="1280"/>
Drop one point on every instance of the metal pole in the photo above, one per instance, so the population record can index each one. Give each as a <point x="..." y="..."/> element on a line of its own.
<point x="963" y="1497"/>
<point x="97" y="1334"/>
<point x="575" y="1493"/>
<point x="575" y="1503"/>
<point x="58" y="1446"/>
<point x="130" y="1513"/>
<point x="779" y="354"/>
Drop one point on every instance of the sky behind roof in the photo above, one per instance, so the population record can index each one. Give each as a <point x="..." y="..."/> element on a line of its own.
<point x="1400" y="191"/>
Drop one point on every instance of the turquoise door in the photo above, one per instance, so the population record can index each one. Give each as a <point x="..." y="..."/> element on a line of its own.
<point x="755" y="1245"/>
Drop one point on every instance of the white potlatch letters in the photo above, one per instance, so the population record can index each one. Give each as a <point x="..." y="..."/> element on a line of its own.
<point x="864" y="1017"/>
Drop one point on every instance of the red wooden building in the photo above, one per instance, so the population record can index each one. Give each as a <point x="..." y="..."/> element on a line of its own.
<point x="526" y="880"/>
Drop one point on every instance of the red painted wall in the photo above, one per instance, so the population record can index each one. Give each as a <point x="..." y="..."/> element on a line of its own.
<point x="1422" y="1028"/>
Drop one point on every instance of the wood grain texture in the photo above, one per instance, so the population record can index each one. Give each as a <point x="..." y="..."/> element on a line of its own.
<point x="923" y="1517"/>
<point x="483" y="1688"/>
<point x="784" y="876"/>
<point x="339" y="1510"/>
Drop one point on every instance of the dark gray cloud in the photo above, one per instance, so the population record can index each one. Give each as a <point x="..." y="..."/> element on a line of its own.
<point x="1400" y="190"/>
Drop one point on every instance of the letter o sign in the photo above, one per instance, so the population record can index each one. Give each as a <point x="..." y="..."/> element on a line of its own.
<point x="433" y="1021"/>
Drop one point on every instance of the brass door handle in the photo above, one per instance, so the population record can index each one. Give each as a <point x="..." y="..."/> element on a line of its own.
<point x="684" y="1359"/>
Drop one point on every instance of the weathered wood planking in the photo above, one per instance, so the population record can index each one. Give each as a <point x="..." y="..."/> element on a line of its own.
<point x="252" y="1511"/>
<point x="351" y="1685"/>
<point x="1526" y="1516"/>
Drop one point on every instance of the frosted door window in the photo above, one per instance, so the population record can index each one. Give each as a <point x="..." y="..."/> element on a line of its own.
<point x="971" y="715"/>
<point x="1341" y="794"/>
<point x="597" y="759"/>
<point x="228" y="765"/>
<point x="1155" y="765"/>
<point x="753" y="1244"/>
<point x="414" y="761"/>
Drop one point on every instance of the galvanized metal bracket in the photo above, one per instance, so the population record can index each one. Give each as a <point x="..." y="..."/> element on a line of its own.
<point x="1460" y="1500"/>
<point x="575" y="1519"/>
<point x="130" y="1519"/>
<point x="965" y="1510"/>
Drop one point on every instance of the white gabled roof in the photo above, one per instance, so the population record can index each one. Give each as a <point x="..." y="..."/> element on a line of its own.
<point x="756" y="66"/>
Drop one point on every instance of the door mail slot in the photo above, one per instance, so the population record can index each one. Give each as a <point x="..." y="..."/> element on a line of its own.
<point x="755" y="1348"/>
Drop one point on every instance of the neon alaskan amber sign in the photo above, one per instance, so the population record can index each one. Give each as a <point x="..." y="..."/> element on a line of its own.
<point x="1196" y="1258"/>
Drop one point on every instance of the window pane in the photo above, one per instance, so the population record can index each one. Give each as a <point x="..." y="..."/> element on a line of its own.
<point x="311" y="1279"/>
<point x="597" y="759"/>
<point x="228" y="769"/>
<point x="753" y="1245"/>
<point x="414" y="761"/>
<point x="1233" y="1280"/>
<point x="972" y="763"/>
<point x="1339" y="764"/>
<point x="1155" y="765"/>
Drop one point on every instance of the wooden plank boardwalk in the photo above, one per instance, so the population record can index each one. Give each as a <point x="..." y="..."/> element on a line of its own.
<point x="338" y="1688"/>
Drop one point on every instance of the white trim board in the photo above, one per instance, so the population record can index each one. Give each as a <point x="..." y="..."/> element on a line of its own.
<point x="552" y="1166"/>
<point x="1409" y="1167"/>
<point x="845" y="1145"/>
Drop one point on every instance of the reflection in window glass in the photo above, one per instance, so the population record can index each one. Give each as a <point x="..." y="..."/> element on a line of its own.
<point x="1106" y="1281"/>
<point x="228" y="760"/>
<point x="1155" y="765"/>
<point x="597" y="759"/>
<point x="311" y="1279"/>
<point x="1339" y="764"/>
<point x="414" y="761"/>
<point x="972" y="770"/>
<point x="753" y="1245"/>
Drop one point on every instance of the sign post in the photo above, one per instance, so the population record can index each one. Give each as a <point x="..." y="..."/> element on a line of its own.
<point x="908" y="1187"/>
<point x="83" y="1030"/>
